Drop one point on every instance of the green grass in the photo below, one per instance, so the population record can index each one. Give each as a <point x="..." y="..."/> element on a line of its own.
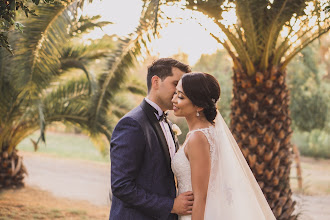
<point x="65" y="145"/>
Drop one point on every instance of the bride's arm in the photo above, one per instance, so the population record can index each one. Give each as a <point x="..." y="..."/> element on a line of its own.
<point x="198" y="152"/>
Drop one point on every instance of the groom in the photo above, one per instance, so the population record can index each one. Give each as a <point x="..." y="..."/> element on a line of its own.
<point x="141" y="149"/>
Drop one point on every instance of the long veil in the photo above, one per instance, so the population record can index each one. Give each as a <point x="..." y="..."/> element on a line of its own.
<point x="233" y="192"/>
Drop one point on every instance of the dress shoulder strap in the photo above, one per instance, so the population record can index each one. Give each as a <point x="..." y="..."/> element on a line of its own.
<point x="207" y="133"/>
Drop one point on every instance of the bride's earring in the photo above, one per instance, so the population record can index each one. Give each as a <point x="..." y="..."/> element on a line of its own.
<point x="197" y="114"/>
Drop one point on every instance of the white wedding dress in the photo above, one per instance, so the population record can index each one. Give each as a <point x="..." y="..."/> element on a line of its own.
<point x="181" y="165"/>
<point x="233" y="192"/>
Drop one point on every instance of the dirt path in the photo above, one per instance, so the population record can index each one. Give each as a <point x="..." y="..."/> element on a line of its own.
<point x="312" y="207"/>
<point x="33" y="203"/>
<point x="73" y="179"/>
<point x="89" y="181"/>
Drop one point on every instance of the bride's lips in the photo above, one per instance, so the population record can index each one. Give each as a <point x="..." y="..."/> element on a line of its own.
<point x="174" y="108"/>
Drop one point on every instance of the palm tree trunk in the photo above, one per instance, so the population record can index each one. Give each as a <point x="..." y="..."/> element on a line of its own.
<point x="12" y="170"/>
<point x="261" y="124"/>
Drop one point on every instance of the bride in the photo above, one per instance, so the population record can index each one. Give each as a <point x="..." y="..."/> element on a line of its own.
<point x="210" y="162"/>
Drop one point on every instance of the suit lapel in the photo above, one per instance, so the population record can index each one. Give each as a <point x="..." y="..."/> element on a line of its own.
<point x="150" y="112"/>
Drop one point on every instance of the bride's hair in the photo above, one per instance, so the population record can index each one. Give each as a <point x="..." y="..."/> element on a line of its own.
<point x="204" y="91"/>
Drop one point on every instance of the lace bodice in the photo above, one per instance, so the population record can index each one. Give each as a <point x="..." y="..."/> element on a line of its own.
<point x="181" y="165"/>
<point x="233" y="192"/>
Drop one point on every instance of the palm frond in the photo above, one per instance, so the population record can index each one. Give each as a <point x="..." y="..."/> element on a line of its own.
<point x="38" y="49"/>
<point x="303" y="45"/>
<point x="212" y="8"/>
<point x="22" y="121"/>
<point x="122" y="60"/>
<point x="110" y="81"/>
<point x="36" y="115"/>
<point x="271" y="35"/>
<point x="89" y="52"/>
<point x="246" y="12"/>
<point x="42" y="123"/>
<point x="69" y="103"/>
<point x="136" y="88"/>
<point x="284" y="44"/>
<point x="239" y="48"/>
<point x="8" y="91"/>
<point x="86" y="23"/>
<point x="79" y="56"/>
<point x="73" y="58"/>
<point x="121" y="104"/>
<point x="306" y="34"/>
<point x="237" y="63"/>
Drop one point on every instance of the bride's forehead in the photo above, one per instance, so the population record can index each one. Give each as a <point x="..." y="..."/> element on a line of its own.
<point x="180" y="83"/>
<point x="179" y="86"/>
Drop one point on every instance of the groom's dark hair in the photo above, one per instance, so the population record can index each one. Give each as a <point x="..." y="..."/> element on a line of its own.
<point x="163" y="68"/>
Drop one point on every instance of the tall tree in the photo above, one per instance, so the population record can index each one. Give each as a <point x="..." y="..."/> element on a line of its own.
<point x="29" y="98"/>
<point x="33" y="94"/>
<point x="266" y="36"/>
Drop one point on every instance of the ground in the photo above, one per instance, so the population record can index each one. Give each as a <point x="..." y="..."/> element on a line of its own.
<point x="313" y="201"/>
<point x="58" y="188"/>
<point x="33" y="203"/>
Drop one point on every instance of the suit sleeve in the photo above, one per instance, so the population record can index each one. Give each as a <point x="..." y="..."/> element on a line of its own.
<point x="127" y="154"/>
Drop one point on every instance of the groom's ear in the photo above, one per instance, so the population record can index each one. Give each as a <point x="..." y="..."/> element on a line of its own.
<point x="155" y="82"/>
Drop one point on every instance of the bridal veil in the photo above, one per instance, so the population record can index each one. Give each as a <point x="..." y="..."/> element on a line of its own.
<point x="233" y="192"/>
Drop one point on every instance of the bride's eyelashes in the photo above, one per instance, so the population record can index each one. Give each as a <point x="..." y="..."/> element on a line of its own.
<point x="179" y="95"/>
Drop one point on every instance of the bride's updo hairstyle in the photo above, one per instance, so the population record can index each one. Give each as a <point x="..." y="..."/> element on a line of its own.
<point x="203" y="90"/>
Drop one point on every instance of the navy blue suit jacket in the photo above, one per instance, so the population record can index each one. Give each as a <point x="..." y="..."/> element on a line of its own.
<point x="142" y="181"/>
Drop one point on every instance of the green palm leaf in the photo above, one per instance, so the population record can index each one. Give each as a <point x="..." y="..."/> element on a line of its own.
<point x="38" y="49"/>
<point x="79" y="57"/>
<point x="86" y="23"/>
<point x="119" y="65"/>
<point x="69" y="103"/>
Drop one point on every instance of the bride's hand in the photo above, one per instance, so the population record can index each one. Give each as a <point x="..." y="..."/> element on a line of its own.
<point x="183" y="203"/>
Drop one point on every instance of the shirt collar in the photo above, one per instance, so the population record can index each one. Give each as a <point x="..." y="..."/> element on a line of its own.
<point x="155" y="106"/>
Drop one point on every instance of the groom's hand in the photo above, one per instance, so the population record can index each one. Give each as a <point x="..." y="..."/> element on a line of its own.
<point x="183" y="203"/>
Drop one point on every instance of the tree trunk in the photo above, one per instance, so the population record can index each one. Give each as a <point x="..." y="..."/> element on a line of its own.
<point x="261" y="125"/>
<point x="12" y="170"/>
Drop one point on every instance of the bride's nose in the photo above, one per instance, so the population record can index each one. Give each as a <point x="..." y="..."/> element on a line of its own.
<point x="173" y="99"/>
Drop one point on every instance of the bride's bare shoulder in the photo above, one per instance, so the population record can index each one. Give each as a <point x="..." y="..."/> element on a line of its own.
<point x="198" y="141"/>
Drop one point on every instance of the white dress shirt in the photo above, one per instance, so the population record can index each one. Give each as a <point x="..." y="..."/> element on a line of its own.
<point x="165" y="127"/>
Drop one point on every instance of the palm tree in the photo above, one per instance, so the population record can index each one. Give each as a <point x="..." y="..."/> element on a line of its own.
<point x="265" y="38"/>
<point x="33" y="93"/>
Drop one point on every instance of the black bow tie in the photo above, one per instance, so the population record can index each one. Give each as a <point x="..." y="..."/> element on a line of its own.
<point x="163" y="117"/>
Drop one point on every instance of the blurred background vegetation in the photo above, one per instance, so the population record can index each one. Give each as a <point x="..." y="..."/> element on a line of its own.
<point x="308" y="80"/>
<point x="74" y="84"/>
<point x="55" y="77"/>
<point x="309" y="84"/>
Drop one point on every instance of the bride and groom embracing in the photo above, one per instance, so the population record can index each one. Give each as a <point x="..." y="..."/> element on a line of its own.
<point x="213" y="179"/>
